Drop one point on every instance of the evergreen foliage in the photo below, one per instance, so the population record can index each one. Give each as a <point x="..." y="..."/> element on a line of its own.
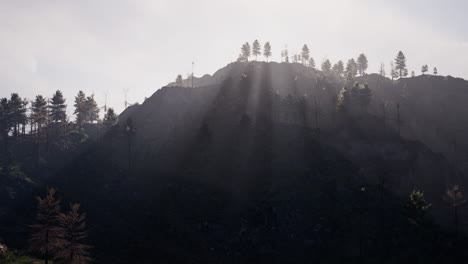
<point x="326" y="66"/>
<point x="305" y="54"/>
<point x="256" y="49"/>
<point x="110" y="118"/>
<point x="424" y="69"/>
<point x="400" y="63"/>
<point x="312" y="63"/>
<point x="267" y="50"/>
<point x="351" y="68"/>
<point x="245" y="52"/>
<point x="71" y="249"/>
<point x="46" y="235"/>
<point x="362" y="64"/>
<point x="57" y="107"/>
<point x="338" y="68"/>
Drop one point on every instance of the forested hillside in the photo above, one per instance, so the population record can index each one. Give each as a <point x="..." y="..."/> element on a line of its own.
<point x="261" y="162"/>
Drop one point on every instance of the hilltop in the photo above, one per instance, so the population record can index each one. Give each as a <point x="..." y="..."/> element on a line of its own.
<point x="253" y="145"/>
<point x="269" y="162"/>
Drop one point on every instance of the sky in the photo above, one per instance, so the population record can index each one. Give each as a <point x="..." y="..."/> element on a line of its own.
<point x="107" y="47"/>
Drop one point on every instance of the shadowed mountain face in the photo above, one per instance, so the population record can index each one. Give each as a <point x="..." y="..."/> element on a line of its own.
<point x="272" y="96"/>
<point x="431" y="107"/>
<point x="432" y="110"/>
<point x="270" y="162"/>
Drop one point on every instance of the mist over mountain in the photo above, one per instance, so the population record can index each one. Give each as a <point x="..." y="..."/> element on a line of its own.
<point x="269" y="162"/>
<point x="259" y="162"/>
<point x="235" y="132"/>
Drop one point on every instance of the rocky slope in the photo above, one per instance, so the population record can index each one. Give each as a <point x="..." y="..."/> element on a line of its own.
<point x="259" y="164"/>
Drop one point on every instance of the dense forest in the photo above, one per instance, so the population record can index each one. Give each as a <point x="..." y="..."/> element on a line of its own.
<point x="261" y="162"/>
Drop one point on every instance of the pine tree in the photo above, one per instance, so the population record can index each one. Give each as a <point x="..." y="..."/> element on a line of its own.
<point x="424" y="69"/>
<point x="40" y="110"/>
<point x="267" y="50"/>
<point x="25" y="118"/>
<point x="110" y="118"/>
<point x="454" y="196"/>
<point x="312" y="63"/>
<point x="71" y="249"/>
<point x="326" y="66"/>
<point x="338" y="68"/>
<point x="335" y="68"/>
<point x="92" y="109"/>
<point x="256" y="49"/>
<point x="362" y="64"/>
<point x="435" y="70"/>
<point x="417" y="207"/>
<point x="179" y="81"/>
<point x="46" y="234"/>
<point x="5" y="125"/>
<point x="80" y="109"/>
<point x="400" y="63"/>
<point x="351" y="68"/>
<point x="17" y="112"/>
<point x="57" y="108"/>
<point x="32" y="124"/>
<point x="305" y="54"/>
<point x="245" y="51"/>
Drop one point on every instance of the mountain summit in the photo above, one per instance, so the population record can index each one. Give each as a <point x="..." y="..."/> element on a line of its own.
<point x="228" y="168"/>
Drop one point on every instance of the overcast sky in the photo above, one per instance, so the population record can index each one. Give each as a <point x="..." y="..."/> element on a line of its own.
<point x="109" y="46"/>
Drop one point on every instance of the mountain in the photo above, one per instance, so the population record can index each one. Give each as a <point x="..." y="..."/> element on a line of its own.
<point x="432" y="109"/>
<point x="278" y="163"/>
